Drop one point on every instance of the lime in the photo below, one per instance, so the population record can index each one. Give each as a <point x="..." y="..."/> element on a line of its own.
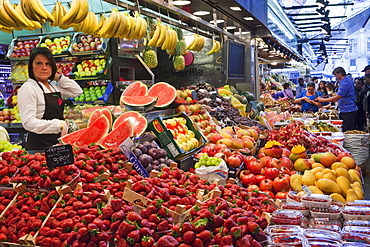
<point x="93" y="98"/>
<point x="98" y="91"/>
<point x="97" y="88"/>
<point x="85" y="89"/>
<point x="91" y="89"/>
<point x="88" y="98"/>
<point x="99" y="95"/>
<point x="103" y="87"/>
<point x="76" y="98"/>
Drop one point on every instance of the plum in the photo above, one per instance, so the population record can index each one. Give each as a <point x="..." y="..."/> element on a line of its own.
<point x="143" y="149"/>
<point x="137" y="152"/>
<point x="161" y="153"/>
<point x="145" y="159"/>
<point x="147" y="144"/>
<point x="154" y="153"/>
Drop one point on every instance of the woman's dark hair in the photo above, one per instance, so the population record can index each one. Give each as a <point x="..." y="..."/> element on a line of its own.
<point x="49" y="56"/>
<point x="311" y="84"/>
<point x="322" y="82"/>
<point x="286" y="85"/>
<point x="330" y="85"/>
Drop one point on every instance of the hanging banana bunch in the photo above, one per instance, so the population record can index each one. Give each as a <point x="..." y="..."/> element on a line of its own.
<point x="197" y="44"/>
<point x="58" y="12"/>
<point x="110" y="25"/>
<point x="76" y="14"/>
<point x="102" y="20"/>
<point x="216" y="46"/>
<point x="35" y="11"/>
<point x="139" y="28"/>
<point x="180" y="42"/>
<point x="159" y="35"/>
<point x="32" y="25"/>
<point x="170" y="40"/>
<point x="89" y="25"/>
<point x="150" y="57"/>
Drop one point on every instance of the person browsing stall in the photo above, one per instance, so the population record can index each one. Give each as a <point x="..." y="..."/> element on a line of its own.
<point x="308" y="99"/>
<point x="301" y="87"/>
<point x="286" y="93"/>
<point x="40" y="100"/>
<point x="346" y="98"/>
<point x="322" y="89"/>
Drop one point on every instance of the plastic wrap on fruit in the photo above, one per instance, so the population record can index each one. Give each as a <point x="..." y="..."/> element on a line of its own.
<point x="72" y="126"/>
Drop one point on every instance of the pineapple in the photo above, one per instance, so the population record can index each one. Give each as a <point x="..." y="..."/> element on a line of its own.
<point x="150" y="58"/>
<point x="179" y="62"/>
<point x="182" y="45"/>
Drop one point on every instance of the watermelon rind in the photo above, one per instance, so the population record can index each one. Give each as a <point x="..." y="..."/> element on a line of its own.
<point x="95" y="132"/>
<point x="117" y="135"/>
<point x="165" y="92"/>
<point x="138" y="121"/>
<point x="136" y="88"/>
<point x="108" y="114"/>
<point x="137" y="107"/>
<point x="138" y="101"/>
<point x="71" y="138"/>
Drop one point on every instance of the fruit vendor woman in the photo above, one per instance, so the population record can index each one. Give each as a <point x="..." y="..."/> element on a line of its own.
<point x="40" y="100"/>
<point x="308" y="99"/>
<point x="346" y="98"/>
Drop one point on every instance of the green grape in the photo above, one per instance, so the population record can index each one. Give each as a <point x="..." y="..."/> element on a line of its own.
<point x="208" y="163"/>
<point x="203" y="162"/>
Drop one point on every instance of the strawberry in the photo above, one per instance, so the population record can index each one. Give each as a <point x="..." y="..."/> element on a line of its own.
<point x="147" y="241"/>
<point x="167" y="241"/>
<point x="154" y="218"/>
<point x="145" y="231"/>
<point x="217" y="221"/>
<point x="91" y="244"/>
<point x="236" y="232"/>
<point x="198" y="243"/>
<point x="255" y="243"/>
<point x="205" y="213"/>
<point x="163" y="226"/>
<point x="205" y="235"/>
<point x="163" y="212"/>
<point x="226" y="240"/>
<point x="243" y="242"/>
<point x="133" y="216"/>
<point x="217" y="238"/>
<point x="44" y="242"/>
<point x="83" y="235"/>
<point x="186" y="226"/>
<point x="116" y="204"/>
<point x="253" y="227"/>
<point x="107" y="212"/>
<point x="200" y="224"/>
<point x="229" y="223"/>
<point x="56" y="242"/>
<point x="124" y="228"/>
<point x="189" y="237"/>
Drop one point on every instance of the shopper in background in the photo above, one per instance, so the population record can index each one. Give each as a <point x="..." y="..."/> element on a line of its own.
<point x="40" y="100"/>
<point x="360" y="119"/>
<point x="308" y="99"/>
<point x="330" y="88"/>
<point x="316" y="81"/>
<point x="322" y="89"/>
<point x="366" y="70"/>
<point x="346" y="97"/>
<point x="301" y="87"/>
<point x="366" y="100"/>
<point x="286" y="93"/>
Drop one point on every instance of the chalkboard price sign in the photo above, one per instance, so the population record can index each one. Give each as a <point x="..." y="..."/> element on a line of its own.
<point x="59" y="155"/>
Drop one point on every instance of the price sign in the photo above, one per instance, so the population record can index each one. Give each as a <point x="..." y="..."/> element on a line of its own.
<point x="60" y="155"/>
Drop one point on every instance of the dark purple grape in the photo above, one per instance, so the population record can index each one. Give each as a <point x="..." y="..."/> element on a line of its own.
<point x="162" y="153"/>
<point x="137" y="152"/>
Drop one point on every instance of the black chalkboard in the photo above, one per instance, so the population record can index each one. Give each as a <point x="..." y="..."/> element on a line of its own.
<point x="59" y="155"/>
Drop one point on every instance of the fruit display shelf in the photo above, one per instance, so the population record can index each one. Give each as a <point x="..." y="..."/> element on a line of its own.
<point x="100" y="100"/>
<point x="20" y="48"/>
<point x="58" y="44"/>
<point x="92" y="68"/>
<point x="82" y="45"/>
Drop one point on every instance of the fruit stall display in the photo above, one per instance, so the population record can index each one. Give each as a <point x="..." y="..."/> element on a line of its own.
<point x="56" y="44"/>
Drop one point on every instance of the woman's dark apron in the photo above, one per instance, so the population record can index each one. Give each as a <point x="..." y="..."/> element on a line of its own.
<point x="53" y="110"/>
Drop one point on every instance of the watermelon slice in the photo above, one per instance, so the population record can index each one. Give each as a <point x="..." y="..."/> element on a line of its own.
<point x="95" y="132"/>
<point x="97" y="113"/>
<point x="72" y="137"/>
<point x="138" y="121"/>
<point x="118" y="135"/>
<point x="165" y="92"/>
<point x="136" y="88"/>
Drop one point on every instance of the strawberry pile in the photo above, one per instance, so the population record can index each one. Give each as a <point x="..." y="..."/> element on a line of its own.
<point x="173" y="186"/>
<point x="6" y="196"/>
<point x="145" y="228"/>
<point x="218" y="223"/>
<point x="26" y="215"/>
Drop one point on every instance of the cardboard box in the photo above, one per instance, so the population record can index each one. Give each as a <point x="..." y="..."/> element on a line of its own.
<point x="167" y="140"/>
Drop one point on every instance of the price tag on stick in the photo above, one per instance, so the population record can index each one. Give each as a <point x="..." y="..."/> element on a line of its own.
<point x="59" y="155"/>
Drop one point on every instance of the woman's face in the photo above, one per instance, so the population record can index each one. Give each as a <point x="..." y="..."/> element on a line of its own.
<point x="41" y="68"/>
<point x="322" y="85"/>
<point x="311" y="90"/>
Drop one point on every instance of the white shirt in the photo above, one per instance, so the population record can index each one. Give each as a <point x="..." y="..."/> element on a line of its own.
<point x="31" y="104"/>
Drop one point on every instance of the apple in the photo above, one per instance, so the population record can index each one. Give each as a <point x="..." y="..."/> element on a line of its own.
<point x="19" y="43"/>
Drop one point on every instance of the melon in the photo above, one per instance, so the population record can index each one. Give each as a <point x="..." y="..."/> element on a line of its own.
<point x="97" y="113"/>
<point x="138" y="121"/>
<point x="136" y="88"/>
<point x="95" y="132"/>
<point x="165" y="92"/>
<point x="117" y="135"/>
<point x="4" y="134"/>
<point x="137" y="101"/>
<point x="72" y="137"/>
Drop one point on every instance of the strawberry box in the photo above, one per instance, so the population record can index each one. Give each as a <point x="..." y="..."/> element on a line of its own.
<point x="173" y="135"/>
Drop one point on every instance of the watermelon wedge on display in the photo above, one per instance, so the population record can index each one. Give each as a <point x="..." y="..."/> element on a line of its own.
<point x="95" y="132"/>
<point x="138" y="121"/>
<point x="97" y="113"/>
<point x="117" y="135"/>
<point x="72" y="137"/>
<point x="136" y="88"/>
<point x="165" y="92"/>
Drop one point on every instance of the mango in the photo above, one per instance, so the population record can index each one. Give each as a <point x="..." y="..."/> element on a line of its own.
<point x="356" y="184"/>
<point x="343" y="172"/>
<point x="315" y="190"/>
<point x="337" y="197"/>
<point x="344" y="184"/>
<point x="328" y="186"/>
<point x="351" y="195"/>
<point x="314" y="165"/>
<point x="359" y="193"/>
<point x="296" y="182"/>
<point x="336" y="165"/>
<point x="319" y="175"/>
<point x="330" y="176"/>
<point x="354" y="175"/>
<point x="327" y="170"/>
<point x="317" y="169"/>
<point x="308" y="178"/>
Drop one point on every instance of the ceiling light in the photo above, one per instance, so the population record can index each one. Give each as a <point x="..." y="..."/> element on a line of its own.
<point x="274" y="63"/>
<point x="230" y="27"/>
<point x="321" y="3"/>
<point x="202" y="12"/>
<point x="236" y="8"/>
<point x="217" y="21"/>
<point x="181" y="2"/>
<point x="248" y="18"/>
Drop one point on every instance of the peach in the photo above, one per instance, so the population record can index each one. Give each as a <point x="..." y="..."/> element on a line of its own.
<point x="226" y="134"/>
<point x="226" y="141"/>
<point x="349" y="162"/>
<point x="254" y="134"/>
<point x="241" y="133"/>
<point x="215" y="137"/>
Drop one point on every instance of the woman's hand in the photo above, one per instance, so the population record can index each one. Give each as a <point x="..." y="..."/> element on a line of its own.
<point x="319" y="99"/>
<point x="57" y="77"/>
<point x="64" y="128"/>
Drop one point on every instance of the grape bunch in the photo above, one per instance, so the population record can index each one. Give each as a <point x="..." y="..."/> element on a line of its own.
<point x="6" y="146"/>
<point x="205" y="160"/>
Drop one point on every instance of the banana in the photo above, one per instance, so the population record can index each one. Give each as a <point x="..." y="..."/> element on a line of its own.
<point x="5" y="16"/>
<point x="72" y="13"/>
<point x="194" y="43"/>
<point x="131" y="30"/>
<point x="121" y="26"/>
<point x="109" y="25"/>
<point x="157" y="31"/>
<point x="82" y="12"/>
<point x="143" y="28"/>
<point x="214" y="47"/>
<point x="218" y="47"/>
<point x="94" y="23"/>
<point x="175" y="39"/>
<point x="36" y="24"/>
<point x="102" y="20"/>
<point x="136" y="27"/>
<point x="54" y="13"/>
<point x="162" y="36"/>
<point x="62" y="12"/>
<point x="14" y="14"/>
<point x="167" y="40"/>
<point x="44" y="11"/>
<point x="116" y="23"/>
<point x="128" y="26"/>
<point x="6" y="29"/>
<point x="200" y="43"/>
<point x="34" y="7"/>
<point x="30" y="14"/>
<point x="19" y="10"/>
<point x="191" y="43"/>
